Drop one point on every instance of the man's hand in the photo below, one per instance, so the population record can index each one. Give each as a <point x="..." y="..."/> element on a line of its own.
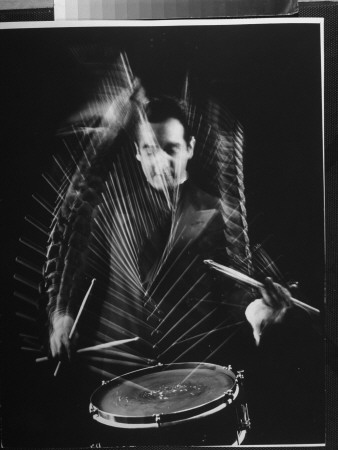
<point x="60" y="344"/>
<point x="269" y="309"/>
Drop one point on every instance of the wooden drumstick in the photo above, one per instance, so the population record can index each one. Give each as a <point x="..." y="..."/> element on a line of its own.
<point x="238" y="276"/>
<point x="96" y="347"/>
<point x="72" y="331"/>
<point x="107" y="345"/>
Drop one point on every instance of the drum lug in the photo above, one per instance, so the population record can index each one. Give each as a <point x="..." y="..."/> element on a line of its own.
<point x="227" y="367"/>
<point x="158" y="419"/>
<point x="103" y="382"/>
<point x="229" y="396"/>
<point x="240" y="375"/>
<point x="92" y="410"/>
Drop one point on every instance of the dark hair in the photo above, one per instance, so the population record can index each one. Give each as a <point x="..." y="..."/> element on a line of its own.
<point x="163" y="108"/>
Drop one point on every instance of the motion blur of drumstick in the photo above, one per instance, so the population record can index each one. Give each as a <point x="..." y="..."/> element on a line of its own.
<point x="72" y="331"/>
<point x="97" y="347"/>
<point x="107" y="345"/>
<point x="238" y="276"/>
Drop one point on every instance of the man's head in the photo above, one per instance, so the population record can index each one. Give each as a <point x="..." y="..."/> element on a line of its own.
<point x="165" y="144"/>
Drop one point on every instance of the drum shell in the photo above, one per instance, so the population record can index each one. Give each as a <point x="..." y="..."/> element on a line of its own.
<point x="219" y="428"/>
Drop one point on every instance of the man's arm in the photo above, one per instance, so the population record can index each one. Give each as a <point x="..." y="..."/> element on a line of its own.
<point x="62" y="273"/>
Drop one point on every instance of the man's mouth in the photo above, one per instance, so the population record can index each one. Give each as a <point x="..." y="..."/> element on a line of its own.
<point x="163" y="180"/>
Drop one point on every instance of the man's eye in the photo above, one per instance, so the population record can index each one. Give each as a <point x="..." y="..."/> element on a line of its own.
<point x="173" y="149"/>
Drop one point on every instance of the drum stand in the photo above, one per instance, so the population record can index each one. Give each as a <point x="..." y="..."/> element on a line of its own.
<point x="242" y="411"/>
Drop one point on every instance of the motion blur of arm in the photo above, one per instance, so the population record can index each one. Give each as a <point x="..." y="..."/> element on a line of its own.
<point x="60" y="272"/>
<point x="63" y="270"/>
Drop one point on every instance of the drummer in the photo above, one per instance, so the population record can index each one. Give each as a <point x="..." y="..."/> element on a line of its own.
<point x="164" y="149"/>
<point x="180" y="309"/>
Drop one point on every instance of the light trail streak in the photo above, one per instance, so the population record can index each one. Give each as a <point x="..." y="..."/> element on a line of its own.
<point x="112" y="361"/>
<point x="29" y="336"/>
<point x="148" y="212"/>
<point x="122" y="230"/>
<point x="132" y="207"/>
<point x="225" y="303"/>
<point x="37" y="225"/>
<point x="211" y="354"/>
<point x="86" y="137"/>
<point x="127" y="300"/>
<point x="104" y="345"/>
<point x="185" y="316"/>
<point x="108" y="324"/>
<point x="135" y="283"/>
<point x="199" y="341"/>
<point x="221" y="345"/>
<point x="268" y="263"/>
<point x="33" y="246"/>
<point x="125" y="255"/>
<point x="44" y="204"/>
<point x="155" y="197"/>
<point x="30" y="349"/>
<point x="199" y="125"/>
<point x="129" y="228"/>
<point x="124" y="314"/>
<point x="268" y="269"/>
<point x="92" y="146"/>
<point x="99" y="371"/>
<point x="215" y="330"/>
<point x="161" y="263"/>
<point x="119" y="229"/>
<point x="127" y="69"/>
<point x="121" y="354"/>
<point x="63" y="170"/>
<point x="101" y="336"/>
<point x="99" y="267"/>
<point x="102" y="263"/>
<point x="72" y="156"/>
<point x="26" y="317"/>
<point x="29" y="265"/>
<point x="124" y="262"/>
<point x="26" y="299"/>
<point x="111" y="325"/>
<point x="50" y="181"/>
<point x="206" y="139"/>
<point x="180" y="339"/>
<point x="173" y="285"/>
<point x="125" y="271"/>
<point x="26" y="282"/>
<point x="173" y="309"/>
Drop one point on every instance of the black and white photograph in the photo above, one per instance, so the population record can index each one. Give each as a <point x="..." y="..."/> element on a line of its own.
<point x="163" y="233"/>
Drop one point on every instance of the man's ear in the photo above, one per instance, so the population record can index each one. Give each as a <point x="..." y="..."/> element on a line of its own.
<point x="191" y="146"/>
<point x="138" y="154"/>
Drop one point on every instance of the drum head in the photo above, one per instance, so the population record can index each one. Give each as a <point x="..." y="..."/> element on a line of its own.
<point x="162" y="395"/>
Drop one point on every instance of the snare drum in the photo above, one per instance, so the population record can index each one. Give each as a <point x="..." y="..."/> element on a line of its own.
<point x="176" y="404"/>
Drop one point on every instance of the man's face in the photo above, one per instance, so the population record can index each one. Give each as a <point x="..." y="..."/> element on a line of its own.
<point x="164" y="153"/>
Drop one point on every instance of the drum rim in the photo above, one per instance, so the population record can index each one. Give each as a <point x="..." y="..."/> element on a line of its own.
<point x="156" y="420"/>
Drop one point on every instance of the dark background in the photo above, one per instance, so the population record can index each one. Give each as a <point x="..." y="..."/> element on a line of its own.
<point x="269" y="77"/>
